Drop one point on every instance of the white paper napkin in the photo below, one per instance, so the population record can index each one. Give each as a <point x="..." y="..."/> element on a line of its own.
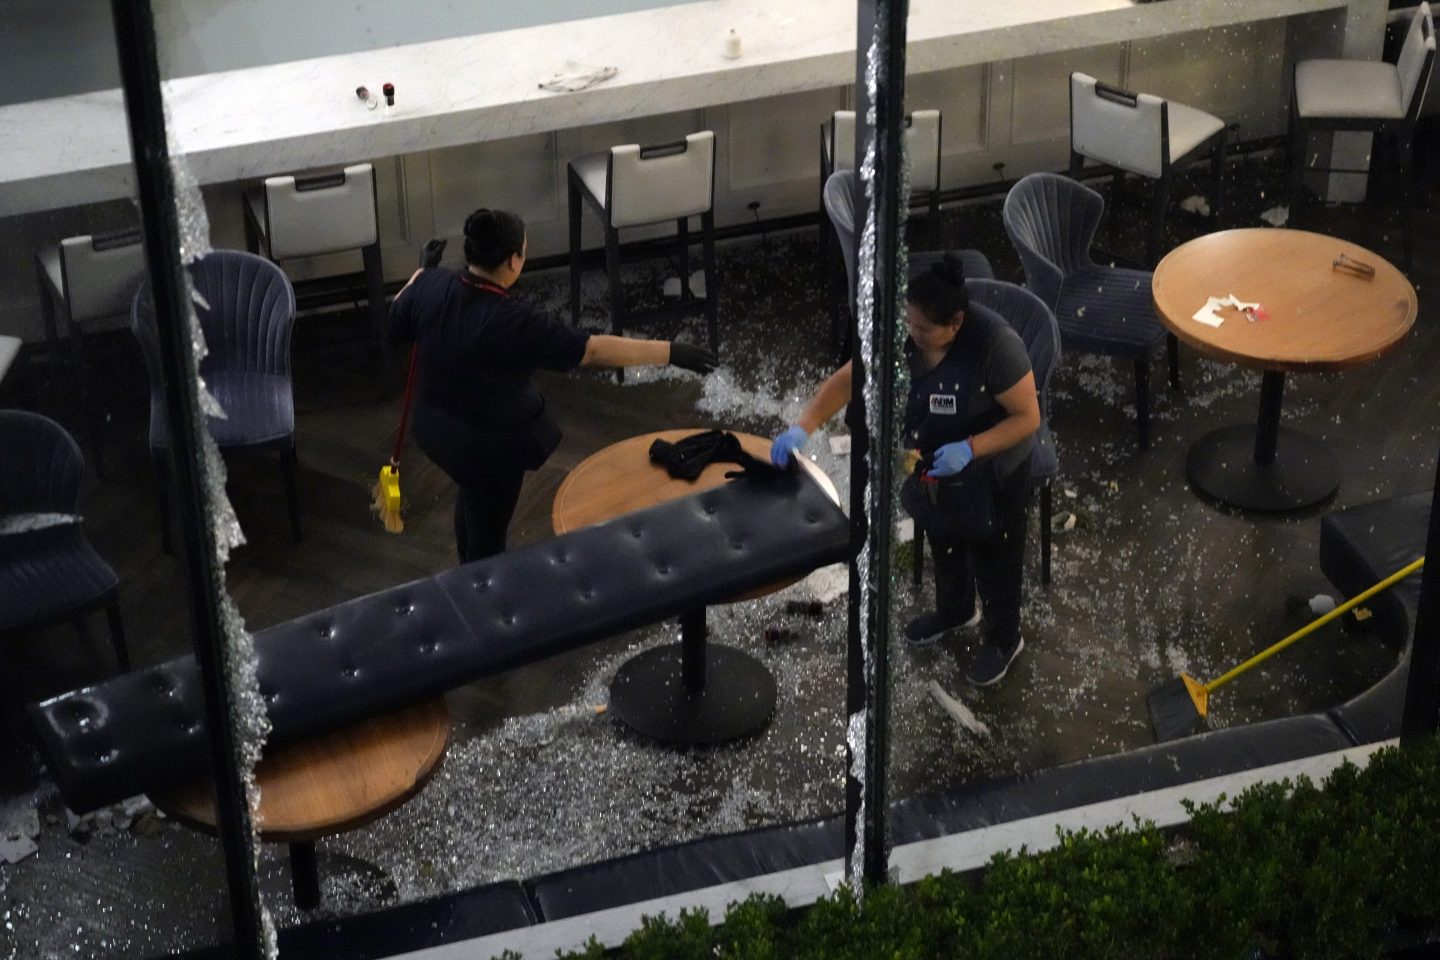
<point x="576" y="76"/>
<point x="1210" y="313"/>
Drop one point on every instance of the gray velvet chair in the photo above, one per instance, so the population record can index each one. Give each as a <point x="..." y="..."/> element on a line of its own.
<point x="1051" y="220"/>
<point x="49" y="572"/>
<point x="840" y="208"/>
<point x="247" y="369"/>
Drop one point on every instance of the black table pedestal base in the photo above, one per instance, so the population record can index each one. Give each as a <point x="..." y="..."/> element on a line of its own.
<point x="1222" y="465"/>
<point x="313" y="870"/>
<point x="650" y="696"/>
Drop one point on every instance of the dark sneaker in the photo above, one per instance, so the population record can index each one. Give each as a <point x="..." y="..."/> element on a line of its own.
<point x="990" y="663"/>
<point x="928" y="627"/>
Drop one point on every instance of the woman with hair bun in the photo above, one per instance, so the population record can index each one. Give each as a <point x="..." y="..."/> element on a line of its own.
<point x="969" y="425"/>
<point x="477" y="414"/>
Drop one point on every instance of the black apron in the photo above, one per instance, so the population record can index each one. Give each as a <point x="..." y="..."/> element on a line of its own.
<point x="959" y="508"/>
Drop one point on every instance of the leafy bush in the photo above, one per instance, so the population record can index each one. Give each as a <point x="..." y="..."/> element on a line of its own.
<point x="1282" y="870"/>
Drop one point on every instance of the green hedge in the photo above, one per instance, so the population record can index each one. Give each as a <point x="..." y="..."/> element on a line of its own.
<point x="1282" y="870"/>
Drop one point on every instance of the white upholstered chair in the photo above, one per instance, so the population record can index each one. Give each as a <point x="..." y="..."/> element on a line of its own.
<point x="1363" y="95"/>
<point x="290" y="217"/>
<point x="86" y="284"/>
<point x="633" y="185"/>
<point x="1144" y="135"/>
<point x="922" y="144"/>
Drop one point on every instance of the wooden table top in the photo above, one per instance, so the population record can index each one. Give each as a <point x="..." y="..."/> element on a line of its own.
<point x="1320" y="318"/>
<point x="621" y="479"/>
<point x="333" y="783"/>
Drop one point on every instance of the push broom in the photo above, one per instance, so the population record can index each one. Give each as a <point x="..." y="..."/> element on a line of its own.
<point x="386" y="502"/>
<point x="1178" y="707"/>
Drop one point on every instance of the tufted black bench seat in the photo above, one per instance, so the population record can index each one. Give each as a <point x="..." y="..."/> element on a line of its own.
<point x="417" y="925"/>
<point x="1359" y="546"/>
<point x="714" y="860"/>
<point x="375" y="654"/>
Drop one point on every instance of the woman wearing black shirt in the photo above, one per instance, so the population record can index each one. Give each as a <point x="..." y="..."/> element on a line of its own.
<point x="972" y="406"/>
<point x="477" y="415"/>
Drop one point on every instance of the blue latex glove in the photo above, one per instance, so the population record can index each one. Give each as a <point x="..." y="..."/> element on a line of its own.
<point x="951" y="459"/>
<point x="785" y="445"/>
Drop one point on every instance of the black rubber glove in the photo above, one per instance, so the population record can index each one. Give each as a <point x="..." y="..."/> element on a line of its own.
<point x="434" y="250"/>
<point x="687" y="356"/>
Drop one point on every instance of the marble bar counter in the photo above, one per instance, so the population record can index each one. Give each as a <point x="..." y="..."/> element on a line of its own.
<point x="304" y="114"/>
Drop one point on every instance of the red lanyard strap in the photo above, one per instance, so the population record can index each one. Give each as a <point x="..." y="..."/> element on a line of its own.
<point x="405" y="406"/>
<point x="470" y="281"/>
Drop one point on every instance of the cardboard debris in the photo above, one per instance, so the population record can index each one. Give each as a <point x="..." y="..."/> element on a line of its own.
<point x="15" y="849"/>
<point x="840" y="445"/>
<point x="75" y="823"/>
<point x="1196" y="204"/>
<point x="960" y="713"/>
<point x="136" y="805"/>
<point x="828" y="583"/>
<point x="671" y="287"/>
<point x="1276" y="216"/>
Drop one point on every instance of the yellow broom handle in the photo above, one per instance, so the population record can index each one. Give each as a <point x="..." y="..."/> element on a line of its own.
<point x="1314" y="625"/>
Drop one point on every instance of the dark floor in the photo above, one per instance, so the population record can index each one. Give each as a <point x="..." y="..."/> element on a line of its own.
<point x="1151" y="581"/>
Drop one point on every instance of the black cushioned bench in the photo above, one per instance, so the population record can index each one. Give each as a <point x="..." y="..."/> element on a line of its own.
<point x="145" y="730"/>
<point x="405" y="928"/>
<point x="1359" y="547"/>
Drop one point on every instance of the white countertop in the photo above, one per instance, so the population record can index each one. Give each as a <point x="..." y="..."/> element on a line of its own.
<point x="292" y="116"/>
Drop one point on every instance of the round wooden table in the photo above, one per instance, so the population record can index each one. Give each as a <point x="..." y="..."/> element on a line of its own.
<point x="1320" y="317"/>
<point x="326" y="786"/>
<point x="723" y="693"/>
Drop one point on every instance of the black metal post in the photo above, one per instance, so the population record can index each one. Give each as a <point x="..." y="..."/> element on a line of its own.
<point x="145" y="111"/>
<point x="305" y="875"/>
<point x="1267" y="428"/>
<point x="881" y="23"/>
<point x="692" y="649"/>
<point x="1422" y="687"/>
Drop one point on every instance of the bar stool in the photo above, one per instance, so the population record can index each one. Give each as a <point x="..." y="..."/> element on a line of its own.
<point x="305" y="216"/>
<point x="1364" y="95"/>
<point x="837" y="152"/>
<point x="86" y="284"/>
<point x="1145" y="135"/>
<point x="922" y="146"/>
<point x="630" y="186"/>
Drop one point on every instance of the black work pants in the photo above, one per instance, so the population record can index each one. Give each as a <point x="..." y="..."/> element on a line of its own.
<point x="995" y="567"/>
<point x="483" y="508"/>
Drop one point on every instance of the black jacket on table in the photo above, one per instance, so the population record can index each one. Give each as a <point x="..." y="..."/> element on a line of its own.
<point x="476" y="410"/>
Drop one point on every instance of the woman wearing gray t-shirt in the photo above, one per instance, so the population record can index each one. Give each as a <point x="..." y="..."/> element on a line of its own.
<point x="969" y="427"/>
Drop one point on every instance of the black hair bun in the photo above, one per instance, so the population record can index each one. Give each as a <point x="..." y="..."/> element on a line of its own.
<point x="481" y="224"/>
<point x="949" y="269"/>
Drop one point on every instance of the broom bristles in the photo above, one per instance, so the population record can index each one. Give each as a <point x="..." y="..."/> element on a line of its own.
<point x="385" y="501"/>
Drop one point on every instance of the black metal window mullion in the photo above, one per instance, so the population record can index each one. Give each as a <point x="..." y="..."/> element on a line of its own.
<point x="145" y="112"/>
<point x="882" y="22"/>
<point x="1422" y="686"/>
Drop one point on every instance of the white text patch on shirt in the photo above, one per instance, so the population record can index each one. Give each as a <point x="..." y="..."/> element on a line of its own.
<point x="942" y="403"/>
